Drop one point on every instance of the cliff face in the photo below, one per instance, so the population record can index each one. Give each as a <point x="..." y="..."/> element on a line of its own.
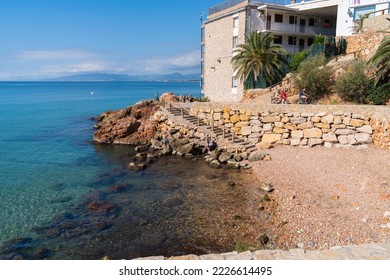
<point x="130" y="126"/>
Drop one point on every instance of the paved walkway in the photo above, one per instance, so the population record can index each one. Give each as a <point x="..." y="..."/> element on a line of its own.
<point x="353" y="252"/>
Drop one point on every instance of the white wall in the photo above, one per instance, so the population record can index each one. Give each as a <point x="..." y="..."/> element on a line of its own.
<point x="345" y="23"/>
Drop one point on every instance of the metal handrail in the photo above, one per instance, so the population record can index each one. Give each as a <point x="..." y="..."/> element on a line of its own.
<point x="212" y="123"/>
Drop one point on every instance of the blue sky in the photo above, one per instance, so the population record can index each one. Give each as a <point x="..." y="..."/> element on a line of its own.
<point x="50" y="38"/>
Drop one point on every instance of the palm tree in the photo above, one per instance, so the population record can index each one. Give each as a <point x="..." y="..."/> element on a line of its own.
<point x="359" y="23"/>
<point x="258" y="58"/>
<point x="381" y="60"/>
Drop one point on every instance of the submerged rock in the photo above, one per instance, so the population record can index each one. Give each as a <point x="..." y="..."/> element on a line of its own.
<point x="136" y="166"/>
<point x="101" y="206"/>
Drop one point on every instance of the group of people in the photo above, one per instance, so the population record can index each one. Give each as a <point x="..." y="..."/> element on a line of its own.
<point x="185" y="98"/>
<point x="280" y="97"/>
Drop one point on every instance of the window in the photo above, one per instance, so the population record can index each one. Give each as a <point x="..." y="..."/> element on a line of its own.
<point x="278" y="18"/>
<point x="312" y="22"/>
<point x="292" y="20"/>
<point x="235" y="42"/>
<point x="278" y="39"/>
<point x="235" y="22"/>
<point x="234" y="82"/>
<point x="327" y="23"/>
<point x="310" y="41"/>
<point x="292" y="40"/>
<point x="362" y="11"/>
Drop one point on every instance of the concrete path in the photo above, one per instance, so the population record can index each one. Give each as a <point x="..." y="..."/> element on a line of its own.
<point x="355" y="252"/>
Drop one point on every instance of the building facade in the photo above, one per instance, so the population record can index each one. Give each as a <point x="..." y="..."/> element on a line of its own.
<point x="294" y="27"/>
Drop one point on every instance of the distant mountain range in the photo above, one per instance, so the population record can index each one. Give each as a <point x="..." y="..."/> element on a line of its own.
<point x="105" y="77"/>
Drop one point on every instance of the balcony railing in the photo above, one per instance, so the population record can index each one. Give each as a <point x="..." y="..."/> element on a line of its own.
<point x="357" y="3"/>
<point x="296" y="29"/>
<point x="230" y="3"/>
<point x="225" y="5"/>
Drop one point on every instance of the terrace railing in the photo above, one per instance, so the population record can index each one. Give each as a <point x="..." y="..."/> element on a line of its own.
<point x="225" y="5"/>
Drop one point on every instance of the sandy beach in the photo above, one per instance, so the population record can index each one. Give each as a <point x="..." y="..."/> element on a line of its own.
<point x="325" y="197"/>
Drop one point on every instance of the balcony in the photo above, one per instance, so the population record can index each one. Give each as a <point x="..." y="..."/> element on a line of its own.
<point x="357" y="3"/>
<point x="304" y="30"/>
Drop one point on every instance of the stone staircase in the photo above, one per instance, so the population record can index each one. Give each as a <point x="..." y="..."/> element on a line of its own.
<point x="210" y="129"/>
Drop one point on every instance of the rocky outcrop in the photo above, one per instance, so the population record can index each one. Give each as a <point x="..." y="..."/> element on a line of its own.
<point x="169" y="97"/>
<point x="129" y="126"/>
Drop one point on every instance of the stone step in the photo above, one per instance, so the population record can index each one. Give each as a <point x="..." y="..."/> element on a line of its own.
<point x="217" y="131"/>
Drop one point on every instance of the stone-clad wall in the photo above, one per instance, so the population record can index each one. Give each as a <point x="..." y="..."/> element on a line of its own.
<point x="218" y="68"/>
<point x="302" y="125"/>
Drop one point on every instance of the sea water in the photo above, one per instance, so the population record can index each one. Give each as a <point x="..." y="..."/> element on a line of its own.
<point x="47" y="160"/>
<point x="62" y="197"/>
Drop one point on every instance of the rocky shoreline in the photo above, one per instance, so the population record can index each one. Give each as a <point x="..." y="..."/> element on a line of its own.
<point x="189" y="141"/>
<point x="143" y="126"/>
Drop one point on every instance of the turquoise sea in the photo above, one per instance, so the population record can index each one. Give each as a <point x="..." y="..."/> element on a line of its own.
<point x="47" y="161"/>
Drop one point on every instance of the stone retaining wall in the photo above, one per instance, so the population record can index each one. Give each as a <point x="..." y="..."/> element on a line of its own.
<point x="302" y="125"/>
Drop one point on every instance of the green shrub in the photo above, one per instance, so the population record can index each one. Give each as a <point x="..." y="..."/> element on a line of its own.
<point x="379" y="95"/>
<point x="354" y="85"/>
<point x="297" y="59"/>
<point x="319" y="39"/>
<point x="241" y="247"/>
<point x="201" y="99"/>
<point x="314" y="76"/>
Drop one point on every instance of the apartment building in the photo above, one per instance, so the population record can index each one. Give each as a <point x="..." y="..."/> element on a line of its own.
<point x="293" y="25"/>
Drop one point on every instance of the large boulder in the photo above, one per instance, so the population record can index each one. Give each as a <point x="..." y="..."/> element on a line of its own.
<point x="132" y="125"/>
<point x="168" y="97"/>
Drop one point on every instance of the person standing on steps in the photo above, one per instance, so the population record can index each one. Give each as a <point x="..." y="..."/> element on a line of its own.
<point x="284" y="96"/>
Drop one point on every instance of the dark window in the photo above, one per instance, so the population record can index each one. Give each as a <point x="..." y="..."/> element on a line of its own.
<point x="310" y="41"/>
<point x="278" y="18"/>
<point x="312" y="22"/>
<point x="292" y="20"/>
<point x="278" y="39"/>
<point x="292" y="40"/>
<point x="327" y="23"/>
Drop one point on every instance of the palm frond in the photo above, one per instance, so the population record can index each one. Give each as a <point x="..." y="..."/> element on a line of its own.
<point x="258" y="57"/>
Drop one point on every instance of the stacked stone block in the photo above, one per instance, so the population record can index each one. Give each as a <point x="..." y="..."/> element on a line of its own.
<point x="295" y="128"/>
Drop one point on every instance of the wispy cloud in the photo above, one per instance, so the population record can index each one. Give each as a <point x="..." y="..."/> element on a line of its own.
<point x="89" y="66"/>
<point x="182" y="62"/>
<point x="61" y="62"/>
<point x="55" y="54"/>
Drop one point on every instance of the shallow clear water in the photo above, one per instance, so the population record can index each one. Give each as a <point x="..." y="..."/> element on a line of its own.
<point x="47" y="161"/>
<point x="62" y="197"/>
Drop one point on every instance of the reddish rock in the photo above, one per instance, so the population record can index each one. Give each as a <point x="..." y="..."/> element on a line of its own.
<point x="169" y="97"/>
<point x="130" y="126"/>
<point x="116" y="189"/>
<point x="101" y="206"/>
